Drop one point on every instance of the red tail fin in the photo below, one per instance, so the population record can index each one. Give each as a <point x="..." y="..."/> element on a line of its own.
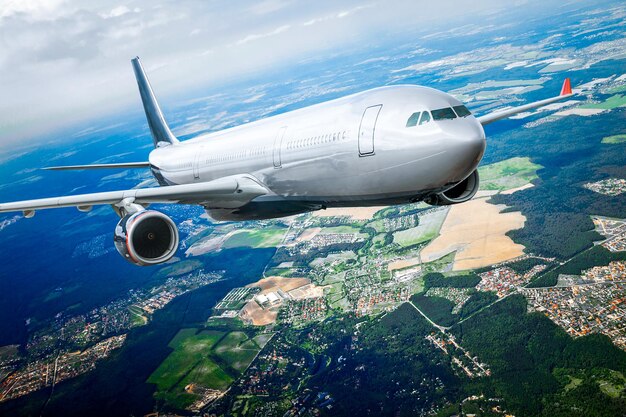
<point x="567" y="87"/>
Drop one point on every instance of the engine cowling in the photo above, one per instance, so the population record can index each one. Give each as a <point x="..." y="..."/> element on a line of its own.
<point x="460" y="193"/>
<point x="146" y="237"/>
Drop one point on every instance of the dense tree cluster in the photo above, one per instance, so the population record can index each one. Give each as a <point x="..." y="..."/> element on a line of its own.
<point x="436" y="279"/>
<point x="525" y="351"/>
<point x="597" y="255"/>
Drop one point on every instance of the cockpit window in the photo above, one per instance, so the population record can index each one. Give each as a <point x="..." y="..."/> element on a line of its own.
<point x="443" y="114"/>
<point x="461" y="111"/>
<point x="413" y="119"/>
<point x="425" y="118"/>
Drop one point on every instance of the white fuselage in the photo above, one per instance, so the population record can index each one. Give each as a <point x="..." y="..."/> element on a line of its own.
<point x="352" y="151"/>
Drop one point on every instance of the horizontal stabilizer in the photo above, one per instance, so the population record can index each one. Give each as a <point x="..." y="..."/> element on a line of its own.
<point x="100" y="166"/>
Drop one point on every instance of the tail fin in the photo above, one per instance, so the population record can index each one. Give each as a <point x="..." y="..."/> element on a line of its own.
<point x="158" y="126"/>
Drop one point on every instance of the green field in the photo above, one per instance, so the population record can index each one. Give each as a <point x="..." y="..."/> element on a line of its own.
<point x="609" y="381"/>
<point x="179" y="268"/>
<point x="333" y="257"/>
<point x="508" y="174"/>
<point x="137" y="316"/>
<point x="428" y="228"/>
<point x="190" y="351"/>
<point x="340" y="230"/>
<point x="617" y="89"/>
<point x="262" y="238"/>
<point x="612" y="383"/>
<point x="210" y="358"/>
<point x="574" y="383"/>
<point x="237" y="350"/>
<point x="189" y="362"/>
<point x="610" y="103"/>
<point x="262" y="339"/>
<point x="614" y="140"/>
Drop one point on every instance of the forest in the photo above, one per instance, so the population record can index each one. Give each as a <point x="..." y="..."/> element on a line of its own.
<point x="558" y="208"/>
<point x="528" y="355"/>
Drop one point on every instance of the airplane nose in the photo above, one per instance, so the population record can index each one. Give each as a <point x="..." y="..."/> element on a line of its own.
<point x="474" y="147"/>
<point x="468" y="149"/>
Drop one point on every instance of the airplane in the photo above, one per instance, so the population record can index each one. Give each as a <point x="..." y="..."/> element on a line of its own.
<point x="389" y="145"/>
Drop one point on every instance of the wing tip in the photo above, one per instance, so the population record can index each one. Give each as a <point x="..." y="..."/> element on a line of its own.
<point x="567" y="87"/>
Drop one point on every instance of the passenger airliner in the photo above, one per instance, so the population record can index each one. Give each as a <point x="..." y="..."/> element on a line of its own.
<point x="390" y="145"/>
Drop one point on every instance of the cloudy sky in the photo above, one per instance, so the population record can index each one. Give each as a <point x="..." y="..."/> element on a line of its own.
<point x="65" y="61"/>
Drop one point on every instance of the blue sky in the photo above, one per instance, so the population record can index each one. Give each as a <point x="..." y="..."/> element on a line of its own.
<point x="67" y="61"/>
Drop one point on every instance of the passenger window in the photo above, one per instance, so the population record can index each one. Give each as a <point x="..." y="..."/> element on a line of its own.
<point x="443" y="114"/>
<point x="413" y="119"/>
<point x="461" y="111"/>
<point x="425" y="118"/>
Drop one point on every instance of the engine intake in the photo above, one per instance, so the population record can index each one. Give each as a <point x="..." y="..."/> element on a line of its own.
<point x="460" y="193"/>
<point x="146" y="237"/>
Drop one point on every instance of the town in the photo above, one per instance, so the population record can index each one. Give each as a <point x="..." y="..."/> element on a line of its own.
<point x="614" y="230"/>
<point x="47" y="372"/>
<point x="584" y="309"/>
<point x="71" y="345"/>
<point x="461" y="358"/>
<point x="611" y="186"/>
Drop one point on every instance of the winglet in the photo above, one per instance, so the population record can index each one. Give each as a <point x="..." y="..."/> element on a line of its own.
<point x="161" y="132"/>
<point x="567" y="87"/>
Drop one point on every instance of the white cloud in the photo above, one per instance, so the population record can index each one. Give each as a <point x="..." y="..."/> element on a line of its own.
<point x="268" y="6"/>
<point x="339" y="15"/>
<point x="65" y="61"/>
<point x="258" y="36"/>
<point x="32" y="8"/>
<point x="118" y="11"/>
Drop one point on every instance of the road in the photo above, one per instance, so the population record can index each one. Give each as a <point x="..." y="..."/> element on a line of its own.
<point x="441" y="328"/>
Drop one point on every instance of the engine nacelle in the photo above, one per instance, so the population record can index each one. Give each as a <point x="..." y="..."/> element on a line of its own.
<point x="460" y="193"/>
<point x="146" y="237"/>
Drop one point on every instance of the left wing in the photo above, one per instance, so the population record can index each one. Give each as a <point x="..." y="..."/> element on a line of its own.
<point x="566" y="91"/>
<point x="99" y="166"/>
<point x="228" y="192"/>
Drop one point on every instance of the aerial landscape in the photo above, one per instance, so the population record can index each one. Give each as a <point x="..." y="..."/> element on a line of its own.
<point x="511" y="304"/>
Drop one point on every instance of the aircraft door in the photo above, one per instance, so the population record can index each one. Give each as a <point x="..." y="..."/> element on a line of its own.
<point x="278" y="141"/>
<point x="196" y="165"/>
<point x="367" y="130"/>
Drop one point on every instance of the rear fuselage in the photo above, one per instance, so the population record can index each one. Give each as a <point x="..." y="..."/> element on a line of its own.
<point x="352" y="151"/>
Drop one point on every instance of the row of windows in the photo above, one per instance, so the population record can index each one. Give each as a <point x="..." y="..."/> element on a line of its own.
<point x="446" y="113"/>
<point x="259" y="151"/>
<point x="185" y="165"/>
<point x="316" y="140"/>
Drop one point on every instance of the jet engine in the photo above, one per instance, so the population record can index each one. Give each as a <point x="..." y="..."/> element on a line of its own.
<point x="146" y="237"/>
<point x="460" y="193"/>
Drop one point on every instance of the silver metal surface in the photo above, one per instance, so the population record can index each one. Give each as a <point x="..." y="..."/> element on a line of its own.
<point x="503" y="114"/>
<point x="126" y="229"/>
<point x="100" y="166"/>
<point x="229" y="192"/>
<point x="352" y="151"/>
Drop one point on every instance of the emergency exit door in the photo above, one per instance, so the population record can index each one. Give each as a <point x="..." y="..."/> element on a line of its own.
<point x="367" y="130"/>
<point x="278" y="143"/>
<point x="196" y="164"/>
